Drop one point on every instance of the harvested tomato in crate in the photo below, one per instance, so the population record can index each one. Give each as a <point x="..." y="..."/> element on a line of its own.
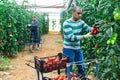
<point x="47" y="64"/>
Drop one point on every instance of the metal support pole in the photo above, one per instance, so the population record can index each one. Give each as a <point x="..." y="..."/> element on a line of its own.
<point x="42" y="76"/>
<point x="68" y="71"/>
<point x="97" y="69"/>
<point x="38" y="75"/>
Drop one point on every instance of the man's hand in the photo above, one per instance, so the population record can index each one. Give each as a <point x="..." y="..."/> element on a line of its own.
<point x="29" y="25"/>
<point x="88" y="35"/>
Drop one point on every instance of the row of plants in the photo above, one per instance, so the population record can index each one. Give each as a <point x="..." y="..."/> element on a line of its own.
<point x="14" y="34"/>
<point x="104" y="46"/>
<point x="13" y="27"/>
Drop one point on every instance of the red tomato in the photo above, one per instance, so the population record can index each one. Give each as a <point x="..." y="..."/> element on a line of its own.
<point x="0" y="41"/>
<point x="65" y="76"/>
<point x="19" y="41"/>
<point x="94" y="28"/>
<point x="97" y="30"/>
<point x="44" y="66"/>
<point x="57" y="59"/>
<point x="58" y="63"/>
<point x="71" y="74"/>
<point x="46" y="60"/>
<point x="94" y="32"/>
<point x="56" y="77"/>
<point x="61" y="78"/>
<point x="64" y="59"/>
<point x="52" y="59"/>
<point x="65" y="79"/>
<point x="54" y="65"/>
<point x="50" y="68"/>
<point x="73" y="78"/>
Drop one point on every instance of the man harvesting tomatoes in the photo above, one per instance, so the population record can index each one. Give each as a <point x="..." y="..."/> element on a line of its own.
<point x="34" y="33"/>
<point x="72" y="35"/>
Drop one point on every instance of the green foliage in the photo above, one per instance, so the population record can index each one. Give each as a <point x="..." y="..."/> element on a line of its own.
<point x="100" y="13"/>
<point x="4" y="63"/>
<point x="45" y="23"/>
<point x="14" y="33"/>
<point x="63" y="17"/>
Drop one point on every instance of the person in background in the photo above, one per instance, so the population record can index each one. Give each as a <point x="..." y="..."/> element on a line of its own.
<point x="72" y="29"/>
<point x="34" y="32"/>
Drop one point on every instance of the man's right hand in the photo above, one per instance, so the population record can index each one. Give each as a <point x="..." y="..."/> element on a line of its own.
<point x="88" y="35"/>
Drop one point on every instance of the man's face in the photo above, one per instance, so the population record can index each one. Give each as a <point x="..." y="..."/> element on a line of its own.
<point x="33" y="18"/>
<point x="77" y="14"/>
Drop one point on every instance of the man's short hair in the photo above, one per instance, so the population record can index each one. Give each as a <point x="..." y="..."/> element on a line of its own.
<point x="75" y="7"/>
<point x="33" y="16"/>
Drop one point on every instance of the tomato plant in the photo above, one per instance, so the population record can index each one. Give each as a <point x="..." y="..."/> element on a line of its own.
<point x="104" y="45"/>
<point x="13" y="30"/>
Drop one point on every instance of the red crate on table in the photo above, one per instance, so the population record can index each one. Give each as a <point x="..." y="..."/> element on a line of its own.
<point x="48" y="64"/>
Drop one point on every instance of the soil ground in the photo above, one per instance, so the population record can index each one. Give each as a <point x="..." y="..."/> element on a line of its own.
<point x="18" y="70"/>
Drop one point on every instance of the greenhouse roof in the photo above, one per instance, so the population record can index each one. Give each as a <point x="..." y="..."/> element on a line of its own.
<point x="50" y="6"/>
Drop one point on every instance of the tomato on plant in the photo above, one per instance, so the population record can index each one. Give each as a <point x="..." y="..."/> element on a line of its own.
<point x="0" y="41"/>
<point x="98" y="51"/>
<point x="116" y="14"/>
<point x="95" y="30"/>
<point x="10" y="25"/>
<point x="97" y="46"/>
<point x="10" y="35"/>
<point x="108" y="42"/>
<point x="19" y="41"/>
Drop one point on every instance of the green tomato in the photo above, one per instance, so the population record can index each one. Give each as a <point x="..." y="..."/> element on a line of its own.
<point x="115" y="34"/>
<point x="112" y="41"/>
<point x="114" y="12"/>
<point x="114" y="38"/>
<point x="108" y="42"/>
<point x="117" y="16"/>
<point x="98" y="51"/>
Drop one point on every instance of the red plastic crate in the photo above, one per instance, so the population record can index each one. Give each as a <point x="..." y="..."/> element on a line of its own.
<point x="48" y="64"/>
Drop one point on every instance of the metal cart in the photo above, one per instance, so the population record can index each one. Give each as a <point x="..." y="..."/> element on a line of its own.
<point x="42" y="67"/>
<point x="80" y="63"/>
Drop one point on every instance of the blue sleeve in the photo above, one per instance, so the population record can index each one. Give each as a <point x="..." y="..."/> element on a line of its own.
<point x="35" y="23"/>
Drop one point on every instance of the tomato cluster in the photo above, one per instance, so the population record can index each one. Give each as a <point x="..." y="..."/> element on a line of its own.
<point x="64" y="77"/>
<point x="51" y="63"/>
<point x="112" y="39"/>
<point x="116" y="14"/>
<point x="95" y="30"/>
